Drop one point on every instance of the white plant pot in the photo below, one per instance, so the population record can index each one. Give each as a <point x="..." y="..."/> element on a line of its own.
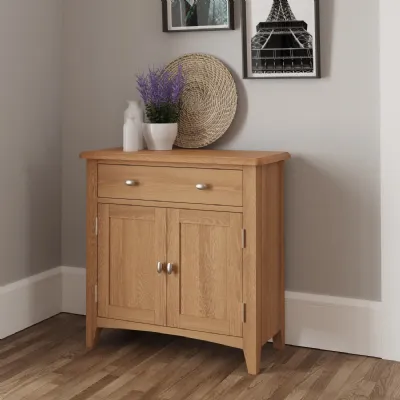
<point x="160" y="136"/>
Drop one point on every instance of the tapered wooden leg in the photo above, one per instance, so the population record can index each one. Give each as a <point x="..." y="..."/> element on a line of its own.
<point x="253" y="360"/>
<point x="92" y="336"/>
<point x="92" y="330"/>
<point x="279" y="340"/>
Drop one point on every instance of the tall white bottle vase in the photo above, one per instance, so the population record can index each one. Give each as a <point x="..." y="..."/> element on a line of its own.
<point x="133" y="127"/>
<point x="133" y="135"/>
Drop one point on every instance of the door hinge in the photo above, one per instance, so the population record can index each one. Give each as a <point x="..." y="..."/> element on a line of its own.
<point x="243" y="238"/>
<point x="96" y="297"/>
<point x="244" y="312"/>
<point x="96" y="226"/>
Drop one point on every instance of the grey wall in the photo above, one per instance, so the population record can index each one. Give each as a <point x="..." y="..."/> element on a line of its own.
<point x="331" y="126"/>
<point x="30" y="137"/>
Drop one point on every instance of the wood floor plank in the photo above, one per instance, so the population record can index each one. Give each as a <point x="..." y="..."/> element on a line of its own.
<point x="26" y="390"/>
<point x="41" y="362"/>
<point x="200" y="367"/>
<point x="247" y="383"/>
<point x="223" y="387"/>
<point x="187" y="359"/>
<point x="377" y="369"/>
<point x="333" y="363"/>
<point x="50" y="362"/>
<point x="95" y="388"/>
<point x="388" y="383"/>
<point x="39" y="393"/>
<point x="137" y="362"/>
<point x="357" y="386"/>
<point x="271" y="380"/>
<point x="301" y="373"/>
<point x="111" y="388"/>
<point x="306" y="387"/>
<point x="341" y="376"/>
<point x="219" y="372"/>
<point x="169" y="360"/>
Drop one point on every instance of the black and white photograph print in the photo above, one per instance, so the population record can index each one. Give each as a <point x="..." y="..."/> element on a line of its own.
<point x="281" y="39"/>
<point x="197" y="15"/>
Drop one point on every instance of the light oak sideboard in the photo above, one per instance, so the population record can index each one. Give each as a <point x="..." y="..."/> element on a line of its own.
<point x="188" y="243"/>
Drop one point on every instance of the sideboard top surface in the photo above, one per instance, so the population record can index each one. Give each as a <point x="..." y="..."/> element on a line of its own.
<point x="216" y="157"/>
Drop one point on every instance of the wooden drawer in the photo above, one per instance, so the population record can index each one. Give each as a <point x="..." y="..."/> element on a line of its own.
<point x="224" y="187"/>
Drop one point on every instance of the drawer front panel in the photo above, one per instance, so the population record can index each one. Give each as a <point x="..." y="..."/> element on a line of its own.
<point x="183" y="185"/>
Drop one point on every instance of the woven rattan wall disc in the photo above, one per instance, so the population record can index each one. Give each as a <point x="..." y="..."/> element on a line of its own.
<point x="209" y="100"/>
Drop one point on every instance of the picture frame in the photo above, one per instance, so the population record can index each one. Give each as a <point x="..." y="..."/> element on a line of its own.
<point x="197" y="15"/>
<point x="277" y="45"/>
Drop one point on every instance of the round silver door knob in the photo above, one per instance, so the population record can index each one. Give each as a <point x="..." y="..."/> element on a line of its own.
<point x="170" y="269"/>
<point x="201" y="186"/>
<point x="160" y="267"/>
<point x="131" y="183"/>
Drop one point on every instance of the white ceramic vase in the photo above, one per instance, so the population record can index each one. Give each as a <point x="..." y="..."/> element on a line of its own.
<point x="160" y="136"/>
<point x="133" y="127"/>
<point x="133" y="135"/>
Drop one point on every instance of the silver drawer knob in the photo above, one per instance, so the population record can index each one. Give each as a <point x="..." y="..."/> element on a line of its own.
<point x="170" y="269"/>
<point x="201" y="186"/>
<point x="160" y="267"/>
<point x="131" y="183"/>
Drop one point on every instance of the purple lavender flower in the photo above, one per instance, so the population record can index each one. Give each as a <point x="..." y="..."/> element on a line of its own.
<point x="155" y="86"/>
<point x="143" y="88"/>
<point x="161" y="93"/>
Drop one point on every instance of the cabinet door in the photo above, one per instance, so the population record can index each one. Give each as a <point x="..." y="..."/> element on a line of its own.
<point x="204" y="291"/>
<point x="132" y="240"/>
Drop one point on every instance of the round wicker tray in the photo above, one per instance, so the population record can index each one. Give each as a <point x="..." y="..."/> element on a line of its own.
<point x="209" y="100"/>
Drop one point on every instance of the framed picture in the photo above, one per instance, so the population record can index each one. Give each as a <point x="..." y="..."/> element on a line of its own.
<point x="197" y="15"/>
<point x="281" y="39"/>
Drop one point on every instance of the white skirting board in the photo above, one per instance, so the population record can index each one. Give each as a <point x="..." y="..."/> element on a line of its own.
<point x="334" y="323"/>
<point x="73" y="290"/>
<point x="29" y="301"/>
<point x="322" y="322"/>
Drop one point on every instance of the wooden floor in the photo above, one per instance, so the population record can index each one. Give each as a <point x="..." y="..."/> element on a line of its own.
<point x="49" y="362"/>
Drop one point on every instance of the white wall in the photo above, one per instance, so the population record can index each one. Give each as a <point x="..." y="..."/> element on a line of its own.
<point x="331" y="126"/>
<point x="30" y="137"/>
<point x="390" y="178"/>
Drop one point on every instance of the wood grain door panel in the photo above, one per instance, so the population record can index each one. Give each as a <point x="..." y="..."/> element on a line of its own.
<point x="205" y="291"/>
<point x="132" y="240"/>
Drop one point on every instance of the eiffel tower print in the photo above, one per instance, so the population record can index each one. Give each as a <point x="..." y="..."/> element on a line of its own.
<point x="282" y="44"/>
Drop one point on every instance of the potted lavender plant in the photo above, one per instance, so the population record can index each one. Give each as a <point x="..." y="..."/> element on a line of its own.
<point x="161" y="93"/>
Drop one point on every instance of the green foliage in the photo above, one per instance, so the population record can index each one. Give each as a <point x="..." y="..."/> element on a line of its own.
<point x="166" y="113"/>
